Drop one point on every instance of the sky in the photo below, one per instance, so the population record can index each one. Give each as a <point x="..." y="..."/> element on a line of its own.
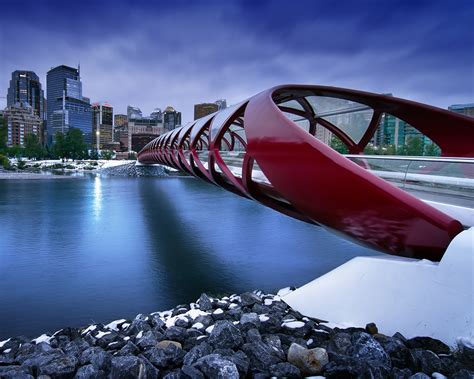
<point x="152" y="54"/>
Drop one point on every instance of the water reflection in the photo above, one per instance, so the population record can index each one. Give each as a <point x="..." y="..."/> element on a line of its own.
<point x="97" y="201"/>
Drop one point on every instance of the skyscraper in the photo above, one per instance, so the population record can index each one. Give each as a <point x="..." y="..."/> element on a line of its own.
<point x="102" y="129"/>
<point x="21" y="120"/>
<point x="171" y="118"/>
<point x="221" y="104"/>
<point x="67" y="108"/>
<point x="204" y="109"/>
<point x="25" y="88"/>
<point x="465" y="109"/>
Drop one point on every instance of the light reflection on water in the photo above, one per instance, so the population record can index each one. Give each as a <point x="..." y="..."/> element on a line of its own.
<point x="97" y="249"/>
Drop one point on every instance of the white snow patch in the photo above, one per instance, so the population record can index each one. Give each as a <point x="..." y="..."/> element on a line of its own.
<point x="343" y="325"/>
<point x="461" y="341"/>
<point x="4" y="342"/>
<point x="165" y="314"/>
<point x="197" y="325"/>
<point x="42" y="338"/>
<point x="309" y="342"/>
<point x="140" y="334"/>
<point x="233" y="305"/>
<point x="90" y="328"/>
<point x="268" y="302"/>
<point x="284" y="291"/>
<point x="218" y="311"/>
<point x="193" y="313"/>
<point x="7" y="351"/>
<point x="235" y="322"/>
<point x="101" y="334"/>
<point x="293" y="324"/>
<point x="193" y="305"/>
<point x="114" y="324"/>
<point x="263" y="318"/>
<point x="200" y="337"/>
<point x="305" y="319"/>
<point x="126" y="338"/>
<point x="57" y="331"/>
<point x="209" y="329"/>
<point x="437" y="375"/>
<point x="125" y="325"/>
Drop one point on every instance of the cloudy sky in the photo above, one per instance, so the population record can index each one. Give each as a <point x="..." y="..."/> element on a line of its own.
<point x="155" y="53"/>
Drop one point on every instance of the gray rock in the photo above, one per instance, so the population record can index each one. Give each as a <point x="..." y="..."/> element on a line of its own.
<point x="197" y="352"/>
<point x="225" y="335"/>
<point x="170" y="357"/>
<point x="241" y="361"/>
<point x="234" y="314"/>
<point x="148" y="339"/>
<point x="425" y="361"/>
<point x="175" y="333"/>
<point x="272" y="324"/>
<point x="249" y="299"/>
<point x="253" y="335"/>
<point x="105" y="340"/>
<point x="366" y="348"/>
<point x="192" y="372"/>
<point x="174" y="374"/>
<point x="428" y="343"/>
<point x="183" y="323"/>
<point x="398" y="373"/>
<point x="130" y="368"/>
<point x="396" y="349"/>
<point x="15" y="372"/>
<point x="89" y="372"/>
<point x="206" y="320"/>
<point x="215" y="366"/>
<point x="129" y="349"/>
<point x="339" y="343"/>
<point x="141" y="323"/>
<point x="157" y="322"/>
<point x="76" y="347"/>
<point x="42" y="359"/>
<point x="420" y="375"/>
<point x="249" y="321"/>
<point x="60" y="368"/>
<point x="205" y="303"/>
<point x="309" y="361"/>
<point x="261" y="356"/>
<point x="285" y="369"/>
<point x="463" y="374"/>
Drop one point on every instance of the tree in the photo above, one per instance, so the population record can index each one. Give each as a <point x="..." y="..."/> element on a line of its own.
<point x="59" y="147"/>
<point x="432" y="150"/>
<point x="106" y="154"/>
<point x="75" y="145"/>
<point x="412" y="147"/>
<point x="338" y="145"/>
<point x="33" y="148"/>
<point x="3" y="133"/>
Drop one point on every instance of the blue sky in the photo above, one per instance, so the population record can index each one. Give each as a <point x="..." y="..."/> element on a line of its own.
<point x="153" y="53"/>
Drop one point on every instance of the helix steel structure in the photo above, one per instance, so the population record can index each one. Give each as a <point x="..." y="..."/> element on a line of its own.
<point x="269" y="148"/>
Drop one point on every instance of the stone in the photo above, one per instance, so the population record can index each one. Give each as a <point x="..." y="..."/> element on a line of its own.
<point x="261" y="356"/>
<point x="241" y="361"/>
<point x="398" y="373"/>
<point x="197" y="352"/>
<point x="148" y="339"/>
<point x="204" y="302"/>
<point x="420" y="375"/>
<point x="285" y="369"/>
<point x="192" y="372"/>
<point x="205" y="320"/>
<point x="165" y="343"/>
<point x="42" y="359"/>
<point x="465" y="352"/>
<point x="366" y="348"/>
<point x="463" y="374"/>
<point x="76" y="347"/>
<point x="428" y="343"/>
<point x="225" y="335"/>
<point x="349" y="367"/>
<point x="157" y="322"/>
<point x="106" y="337"/>
<point x="253" y="335"/>
<point x="371" y="328"/>
<point x="90" y="372"/>
<point x="139" y="324"/>
<point x="234" y="314"/>
<point x="339" y="343"/>
<point x="249" y="299"/>
<point x="130" y="368"/>
<point x="129" y="349"/>
<point x="59" y="368"/>
<point x="309" y="361"/>
<point x="183" y="323"/>
<point x="425" y="361"/>
<point x="215" y="366"/>
<point x="175" y="333"/>
<point x="170" y="357"/>
<point x="174" y="374"/>
<point x="396" y="349"/>
<point x="249" y="320"/>
<point x="15" y="372"/>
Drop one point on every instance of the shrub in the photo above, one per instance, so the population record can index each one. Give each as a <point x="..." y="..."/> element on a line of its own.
<point x="5" y="162"/>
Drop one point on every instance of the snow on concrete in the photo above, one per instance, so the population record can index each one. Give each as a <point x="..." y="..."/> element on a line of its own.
<point x="114" y="324"/>
<point x="293" y="324"/>
<point x="284" y="291"/>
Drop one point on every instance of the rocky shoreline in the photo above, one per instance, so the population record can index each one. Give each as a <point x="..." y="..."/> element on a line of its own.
<point x="254" y="335"/>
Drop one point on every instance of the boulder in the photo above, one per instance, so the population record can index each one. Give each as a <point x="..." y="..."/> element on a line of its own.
<point x="428" y="343"/>
<point x="131" y="368"/>
<point x="90" y="372"/>
<point x="225" y="335"/>
<point x="59" y="368"/>
<point x="309" y="361"/>
<point x="285" y="369"/>
<point x="261" y="356"/>
<point x="365" y="347"/>
<point x="249" y="298"/>
<point x="170" y="357"/>
<point x="196" y="353"/>
<point x="205" y="303"/>
<point x="175" y="333"/>
<point x="249" y="320"/>
<point x="215" y="366"/>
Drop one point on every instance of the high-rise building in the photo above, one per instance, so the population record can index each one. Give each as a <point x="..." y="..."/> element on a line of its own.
<point x="134" y="113"/>
<point x="102" y="126"/>
<point x="25" y="88"/>
<point x="204" y="109"/>
<point x="120" y="120"/>
<point x="221" y="104"/>
<point x="465" y="109"/>
<point x="171" y="118"/>
<point x="66" y="107"/>
<point x="21" y="119"/>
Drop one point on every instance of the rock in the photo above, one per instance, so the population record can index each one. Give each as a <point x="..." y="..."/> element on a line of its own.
<point x="349" y="367"/>
<point x="157" y="322"/>
<point x="309" y="361"/>
<point x="463" y="374"/>
<point x="225" y="335"/>
<point x="139" y="324"/>
<point x="90" y="372"/>
<point x="15" y="372"/>
<point x="76" y="347"/>
<point x="192" y="372"/>
<point x="182" y="323"/>
<point x="249" y="299"/>
<point x="170" y="357"/>
<point x="175" y="333"/>
<point x="205" y="303"/>
<point x="466" y="352"/>
<point x="285" y="369"/>
<point x="174" y="374"/>
<point x="165" y="343"/>
<point x="59" y="368"/>
<point x="129" y="349"/>
<point x="241" y="361"/>
<point x="107" y="337"/>
<point x="366" y="348"/>
<point x="428" y="343"/>
<point x="196" y="353"/>
<point x="215" y="366"/>
<point x="130" y="368"/>
<point x="398" y="373"/>
<point x="425" y="361"/>
<point x="419" y="375"/>
<point x="205" y="320"/>
<point x="371" y="328"/>
<point x="339" y="343"/>
<point x="261" y="356"/>
<point x="253" y="335"/>
<point x="148" y="339"/>
<point x="270" y="323"/>
<point x="218" y="314"/>
<point x="42" y="359"/>
<point x="396" y="349"/>
<point x="249" y="320"/>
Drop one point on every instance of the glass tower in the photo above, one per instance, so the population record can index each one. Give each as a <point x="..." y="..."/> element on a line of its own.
<point x="25" y="89"/>
<point x="67" y="108"/>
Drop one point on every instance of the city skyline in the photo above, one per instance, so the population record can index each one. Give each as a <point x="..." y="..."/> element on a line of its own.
<point x="181" y="54"/>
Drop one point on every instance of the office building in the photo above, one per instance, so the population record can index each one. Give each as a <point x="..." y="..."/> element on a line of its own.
<point x="66" y="107"/>
<point x="221" y="104"/>
<point x="171" y="118"/>
<point x="120" y="120"/>
<point x="25" y="88"/>
<point x="204" y="109"/>
<point x="465" y="109"/>
<point x="102" y="127"/>
<point x="140" y="129"/>
<point x="21" y="119"/>
<point x="134" y="113"/>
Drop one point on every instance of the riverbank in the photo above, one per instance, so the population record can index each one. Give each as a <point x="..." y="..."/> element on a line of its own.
<point x="251" y="335"/>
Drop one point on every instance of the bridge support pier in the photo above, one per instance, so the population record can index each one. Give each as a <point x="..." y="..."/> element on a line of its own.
<point x="414" y="297"/>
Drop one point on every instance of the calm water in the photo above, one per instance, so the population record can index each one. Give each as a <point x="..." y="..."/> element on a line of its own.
<point x="76" y="251"/>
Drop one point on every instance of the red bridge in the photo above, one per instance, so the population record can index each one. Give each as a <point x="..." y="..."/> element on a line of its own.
<point x="270" y="148"/>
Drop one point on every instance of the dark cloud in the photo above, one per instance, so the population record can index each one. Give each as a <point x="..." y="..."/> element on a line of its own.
<point x="154" y="54"/>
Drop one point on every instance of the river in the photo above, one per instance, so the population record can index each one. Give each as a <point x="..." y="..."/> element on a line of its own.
<point x="77" y="251"/>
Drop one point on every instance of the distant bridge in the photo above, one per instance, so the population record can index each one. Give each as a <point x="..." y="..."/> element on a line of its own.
<point x="265" y="149"/>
